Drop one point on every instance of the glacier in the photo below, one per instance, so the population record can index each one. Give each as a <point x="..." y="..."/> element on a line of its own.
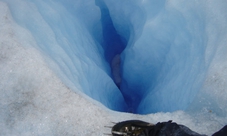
<point x="71" y="67"/>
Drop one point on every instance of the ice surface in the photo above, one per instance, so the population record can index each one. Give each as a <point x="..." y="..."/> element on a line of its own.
<point x="171" y="59"/>
<point x="53" y="56"/>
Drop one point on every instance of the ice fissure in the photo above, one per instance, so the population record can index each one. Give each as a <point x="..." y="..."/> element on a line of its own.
<point x="172" y="55"/>
<point x="113" y="45"/>
<point x="133" y="56"/>
<point x="140" y="81"/>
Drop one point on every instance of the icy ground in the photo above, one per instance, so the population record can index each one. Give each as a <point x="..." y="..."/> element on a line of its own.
<point x="43" y="91"/>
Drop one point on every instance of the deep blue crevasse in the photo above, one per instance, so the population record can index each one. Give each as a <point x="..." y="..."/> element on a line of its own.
<point x="113" y="45"/>
<point x="167" y="70"/>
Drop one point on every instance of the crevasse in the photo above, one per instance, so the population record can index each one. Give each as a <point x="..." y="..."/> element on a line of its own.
<point x="138" y="56"/>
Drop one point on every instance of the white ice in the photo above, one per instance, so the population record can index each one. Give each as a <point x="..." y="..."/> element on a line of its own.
<point x="55" y="81"/>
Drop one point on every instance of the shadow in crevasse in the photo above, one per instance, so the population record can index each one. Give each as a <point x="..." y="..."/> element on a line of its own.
<point x="113" y="45"/>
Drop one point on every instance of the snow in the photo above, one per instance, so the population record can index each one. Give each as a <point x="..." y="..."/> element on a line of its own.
<point x="56" y="73"/>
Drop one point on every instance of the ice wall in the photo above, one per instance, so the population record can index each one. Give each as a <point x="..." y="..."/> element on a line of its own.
<point x="174" y="56"/>
<point x="183" y="43"/>
<point x="165" y="67"/>
<point x="66" y="41"/>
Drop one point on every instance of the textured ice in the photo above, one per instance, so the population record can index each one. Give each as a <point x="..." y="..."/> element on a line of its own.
<point x="54" y="54"/>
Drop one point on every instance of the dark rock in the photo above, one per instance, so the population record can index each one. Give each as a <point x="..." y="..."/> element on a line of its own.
<point x="222" y="132"/>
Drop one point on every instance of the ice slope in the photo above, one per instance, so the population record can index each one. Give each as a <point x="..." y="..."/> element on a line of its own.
<point x="52" y="54"/>
<point x="172" y="58"/>
<point x="68" y="43"/>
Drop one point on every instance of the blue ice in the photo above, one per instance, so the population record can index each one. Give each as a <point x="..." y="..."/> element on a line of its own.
<point x="133" y="56"/>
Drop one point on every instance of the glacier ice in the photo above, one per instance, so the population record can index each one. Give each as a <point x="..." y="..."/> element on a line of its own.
<point x="165" y="57"/>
